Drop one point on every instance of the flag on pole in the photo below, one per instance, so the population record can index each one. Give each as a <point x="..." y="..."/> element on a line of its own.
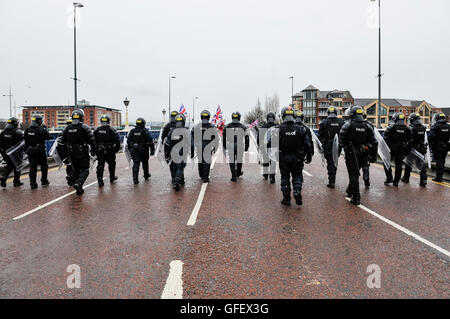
<point x="255" y="123"/>
<point x="218" y="117"/>
<point x="183" y="111"/>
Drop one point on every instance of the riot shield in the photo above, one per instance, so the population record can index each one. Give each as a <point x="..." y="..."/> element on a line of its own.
<point x="335" y="150"/>
<point x="383" y="149"/>
<point x="255" y="144"/>
<point x="126" y="151"/>
<point x="318" y="148"/>
<point x="92" y="159"/>
<point x="415" y="160"/>
<point x="428" y="154"/>
<point x="55" y="155"/>
<point x="18" y="155"/>
<point x="272" y="138"/>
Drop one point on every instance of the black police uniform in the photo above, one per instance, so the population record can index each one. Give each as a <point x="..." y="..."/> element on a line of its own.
<point x="294" y="147"/>
<point x="169" y="126"/>
<point x="63" y="154"/>
<point x="365" y="165"/>
<point x="418" y="132"/>
<point x="107" y="144"/>
<point x="35" y="137"/>
<point x="9" y="137"/>
<point x="178" y="137"/>
<point x="328" y="128"/>
<point x="269" y="166"/>
<point x="358" y="140"/>
<point x="440" y="144"/>
<point x="77" y="138"/>
<point x="236" y="146"/>
<point x="139" y="143"/>
<point x="202" y="135"/>
<point x="398" y="139"/>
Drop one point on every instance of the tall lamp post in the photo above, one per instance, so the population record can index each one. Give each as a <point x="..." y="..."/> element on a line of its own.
<point x="10" y="101"/>
<point x="379" y="63"/>
<point x="193" y="108"/>
<point x="292" y="90"/>
<point x="75" y="79"/>
<point x="126" y="102"/>
<point x="170" y="80"/>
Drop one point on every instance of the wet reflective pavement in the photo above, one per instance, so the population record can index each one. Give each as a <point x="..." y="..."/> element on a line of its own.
<point x="243" y="244"/>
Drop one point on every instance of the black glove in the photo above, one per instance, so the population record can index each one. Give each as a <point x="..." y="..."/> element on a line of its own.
<point x="308" y="159"/>
<point x="152" y="152"/>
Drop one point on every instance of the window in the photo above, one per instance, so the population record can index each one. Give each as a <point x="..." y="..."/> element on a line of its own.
<point x="383" y="111"/>
<point x="371" y="110"/>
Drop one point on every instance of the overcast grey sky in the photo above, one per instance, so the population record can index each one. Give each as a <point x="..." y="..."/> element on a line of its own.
<point x="225" y="52"/>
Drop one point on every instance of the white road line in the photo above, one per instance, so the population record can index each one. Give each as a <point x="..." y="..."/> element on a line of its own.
<point x="405" y="230"/>
<point x="50" y="203"/>
<point x="174" y="284"/>
<point x="307" y="173"/>
<point x="198" y="204"/>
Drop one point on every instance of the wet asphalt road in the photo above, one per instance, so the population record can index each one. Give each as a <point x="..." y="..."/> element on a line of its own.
<point x="243" y="243"/>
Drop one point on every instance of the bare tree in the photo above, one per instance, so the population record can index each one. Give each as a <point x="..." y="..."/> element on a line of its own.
<point x="272" y="104"/>
<point x="256" y="113"/>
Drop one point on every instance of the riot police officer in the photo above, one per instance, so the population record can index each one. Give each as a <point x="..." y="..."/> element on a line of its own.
<point x="418" y="132"/>
<point x="79" y="141"/>
<point x="295" y="148"/>
<point x="139" y="142"/>
<point x="176" y="149"/>
<point x="107" y="144"/>
<point x="204" y="135"/>
<point x="269" y="165"/>
<point x="35" y="137"/>
<point x="328" y="129"/>
<point x="169" y="125"/>
<point x="9" y="137"/>
<point x="365" y="165"/>
<point x="440" y="143"/>
<point x="397" y="137"/>
<point x="236" y="140"/>
<point x="358" y="140"/>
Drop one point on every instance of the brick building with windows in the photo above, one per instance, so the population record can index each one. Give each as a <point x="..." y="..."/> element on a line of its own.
<point x="55" y="117"/>
<point x="314" y="103"/>
<point x="389" y="107"/>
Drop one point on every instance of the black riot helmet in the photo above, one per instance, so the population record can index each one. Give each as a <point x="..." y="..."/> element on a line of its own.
<point x="205" y="116"/>
<point x="440" y="118"/>
<point x="77" y="116"/>
<point x="12" y="123"/>
<point x="37" y="119"/>
<point x="173" y="115"/>
<point x="414" y="118"/>
<point x="299" y="116"/>
<point x="357" y="114"/>
<point x="332" y="112"/>
<point x="399" y="118"/>
<point x="105" y="120"/>
<point x="287" y="114"/>
<point x="69" y="121"/>
<point x="270" y="117"/>
<point x="140" y="122"/>
<point x="180" y="121"/>
<point x="236" y="117"/>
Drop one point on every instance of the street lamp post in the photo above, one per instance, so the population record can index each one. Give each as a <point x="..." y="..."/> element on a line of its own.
<point x="75" y="79"/>
<point x="170" y="79"/>
<point x="164" y="115"/>
<point x="193" y="108"/>
<point x="292" y="90"/>
<point x="10" y="101"/>
<point x="126" y="102"/>
<point x="379" y="64"/>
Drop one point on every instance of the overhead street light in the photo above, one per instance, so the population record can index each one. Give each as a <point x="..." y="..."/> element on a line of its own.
<point x="126" y="102"/>
<point x="75" y="79"/>
<point x="170" y="79"/>
<point x="379" y="63"/>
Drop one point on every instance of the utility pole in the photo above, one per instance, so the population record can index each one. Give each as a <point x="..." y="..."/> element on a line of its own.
<point x="379" y="64"/>
<point x="75" y="79"/>
<point x="10" y="101"/>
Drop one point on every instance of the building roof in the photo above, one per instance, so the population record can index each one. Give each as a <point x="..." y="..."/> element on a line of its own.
<point x="311" y="88"/>
<point x="390" y="102"/>
<point x="34" y="107"/>
<point x="299" y="94"/>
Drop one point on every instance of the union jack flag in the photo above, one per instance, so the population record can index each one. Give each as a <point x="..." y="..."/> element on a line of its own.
<point x="183" y="111"/>
<point x="254" y="124"/>
<point x="218" y="117"/>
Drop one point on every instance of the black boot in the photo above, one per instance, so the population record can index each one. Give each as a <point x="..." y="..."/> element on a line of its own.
<point x="3" y="182"/>
<point x="147" y="176"/>
<point x="286" y="201"/>
<point x="298" y="198"/>
<point x="438" y="179"/>
<point x="177" y="187"/>
<point x="331" y="184"/>
<point x="45" y="182"/>
<point x="79" y="188"/>
<point x="423" y="183"/>
<point x="265" y="176"/>
<point x="100" y="182"/>
<point x="367" y="182"/>
<point x="356" y="199"/>
<point x="17" y="183"/>
<point x="34" y="185"/>
<point x="113" y="179"/>
<point x="272" y="178"/>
